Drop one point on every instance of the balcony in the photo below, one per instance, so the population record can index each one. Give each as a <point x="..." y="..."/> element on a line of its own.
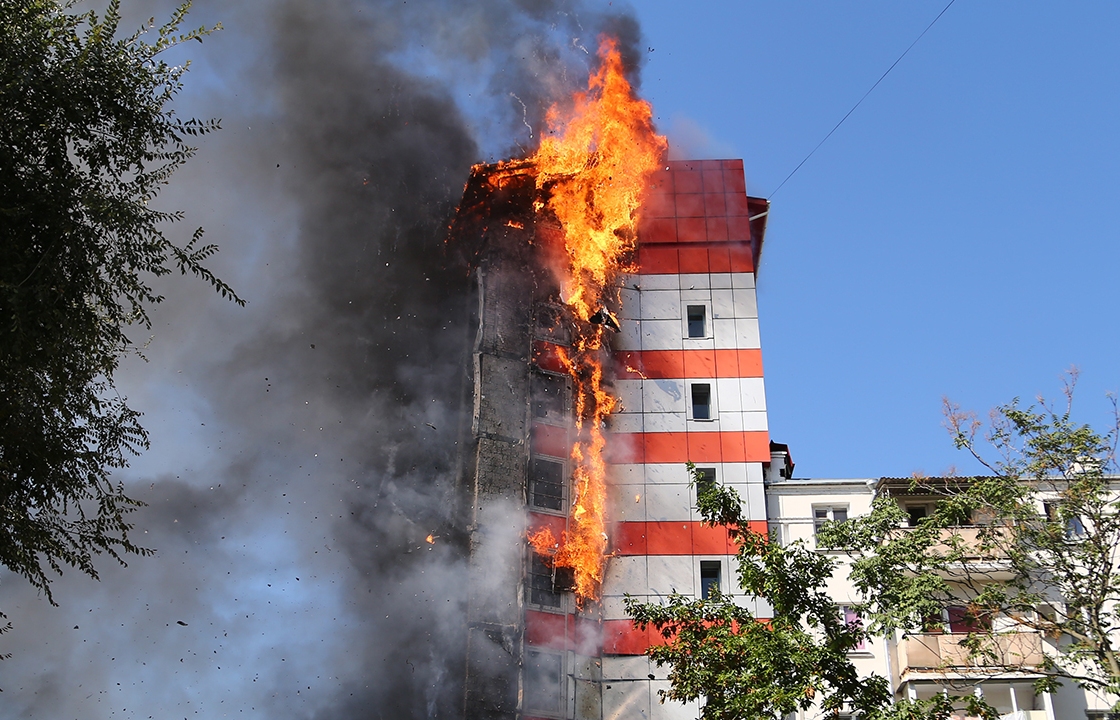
<point x="943" y="652"/>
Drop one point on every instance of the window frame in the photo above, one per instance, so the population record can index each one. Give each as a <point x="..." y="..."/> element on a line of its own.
<point x="702" y="591"/>
<point x="712" y="412"/>
<point x="530" y="485"/>
<point x="560" y="658"/>
<point x="831" y="515"/>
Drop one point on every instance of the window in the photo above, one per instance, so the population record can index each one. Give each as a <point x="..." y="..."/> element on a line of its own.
<point x="705" y="479"/>
<point x="821" y="515"/>
<point x="697" y="321"/>
<point x="709" y="577"/>
<point x="916" y="513"/>
<point x="1075" y="528"/>
<point x="701" y="401"/>
<point x="540" y="586"/>
<point x="544" y="681"/>
<point x="546" y="484"/>
<point x="962" y="619"/>
<point x="852" y="619"/>
<point x="548" y="398"/>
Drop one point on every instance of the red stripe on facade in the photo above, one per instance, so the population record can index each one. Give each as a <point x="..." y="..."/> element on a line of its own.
<point x="546" y="356"/>
<point x="623" y="637"/>
<point x="561" y="632"/>
<point x="699" y="256"/>
<point x="676" y="538"/>
<point x="673" y="364"/>
<point x="682" y="447"/>
<point x="539" y="521"/>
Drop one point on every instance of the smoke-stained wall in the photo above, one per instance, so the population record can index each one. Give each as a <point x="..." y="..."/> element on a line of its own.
<point x="305" y="447"/>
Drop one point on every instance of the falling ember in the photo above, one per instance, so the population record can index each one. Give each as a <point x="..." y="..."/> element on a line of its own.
<point x="594" y="165"/>
<point x="431" y="539"/>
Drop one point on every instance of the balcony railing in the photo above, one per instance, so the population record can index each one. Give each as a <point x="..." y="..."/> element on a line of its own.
<point x="970" y="540"/>
<point x="943" y="651"/>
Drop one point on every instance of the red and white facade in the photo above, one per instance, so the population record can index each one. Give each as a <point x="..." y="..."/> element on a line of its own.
<point x="690" y="380"/>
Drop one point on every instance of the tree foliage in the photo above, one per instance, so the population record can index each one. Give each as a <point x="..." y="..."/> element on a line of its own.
<point x="747" y="667"/>
<point x="87" y="140"/>
<point x="1032" y="547"/>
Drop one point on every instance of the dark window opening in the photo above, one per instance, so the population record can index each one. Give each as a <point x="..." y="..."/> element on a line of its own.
<point x="544" y="678"/>
<point x="963" y="619"/>
<point x="705" y="480"/>
<point x="548" y="397"/>
<point x="915" y="513"/>
<point x="540" y="586"/>
<point x="697" y="316"/>
<point x="702" y="402"/>
<point x="546" y="484"/>
<point x="853" y="621"/>
<point x="709" y="577"/>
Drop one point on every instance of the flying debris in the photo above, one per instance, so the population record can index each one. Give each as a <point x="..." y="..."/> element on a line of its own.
<point x="605" y="318"/>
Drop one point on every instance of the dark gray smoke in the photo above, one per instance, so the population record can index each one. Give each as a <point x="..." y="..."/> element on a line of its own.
<point x="304" y="447"/>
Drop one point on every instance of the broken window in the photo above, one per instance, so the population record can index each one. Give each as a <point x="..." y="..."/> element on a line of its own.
<point x="549" y="398"/>
<point x="701" y="401"/>
<point x="697" y="321"/>
<point x="546" y="484"/>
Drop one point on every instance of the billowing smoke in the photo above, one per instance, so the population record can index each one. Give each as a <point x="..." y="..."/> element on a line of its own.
<point x="305" y="447"/>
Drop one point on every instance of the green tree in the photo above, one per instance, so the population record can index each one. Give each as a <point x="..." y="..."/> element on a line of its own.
<point x="1032" y="547"/>
<point x="87" y="140"/>
<point x="743" y="667"/>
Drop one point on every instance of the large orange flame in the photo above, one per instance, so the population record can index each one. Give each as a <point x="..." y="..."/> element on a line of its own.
<point x="594" y="166"/>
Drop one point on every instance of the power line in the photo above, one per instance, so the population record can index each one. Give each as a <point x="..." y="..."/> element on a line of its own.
<point x="837" y="127"/>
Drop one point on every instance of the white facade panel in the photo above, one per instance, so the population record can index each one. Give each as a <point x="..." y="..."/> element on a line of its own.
<point x="662" y="335"/>
<point x="664" y="422"/>
<point x="723" y="304"/>
<point x="661" y="304"/>
<point x="630" y="337"/>
<point x="671" y="574"/>
<point x="695" y="281"/>
<point x="658" y="282"/>
<point x="629" y="394"/>
<point x="753" y="394"/>
<point x="724" y="333"/>
<point x="626" y="667"/>
<point x="668" y="502"/>
<point x="742" y="280"/>
<point x="625" y="574"/>
<point x="746" y="303"/>
<point x="626" y="699"/>
<point x="746" y="333"/>
<point x="660" y="396"/>
<point x="720" y="280"/>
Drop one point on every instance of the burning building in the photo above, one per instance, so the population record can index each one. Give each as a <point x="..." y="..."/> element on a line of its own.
<point x="616" y="340"/>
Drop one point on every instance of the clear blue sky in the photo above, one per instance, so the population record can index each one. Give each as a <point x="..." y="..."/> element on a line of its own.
<point x="956" y="236"/>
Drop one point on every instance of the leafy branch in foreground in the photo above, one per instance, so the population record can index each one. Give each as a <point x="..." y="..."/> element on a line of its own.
<point x="86" y="143"/>
<point x="745" y="667"/>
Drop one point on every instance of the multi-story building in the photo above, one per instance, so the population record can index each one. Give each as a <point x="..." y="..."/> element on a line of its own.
<point x="922" y="664"/>
<point x="688" y="371"/>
